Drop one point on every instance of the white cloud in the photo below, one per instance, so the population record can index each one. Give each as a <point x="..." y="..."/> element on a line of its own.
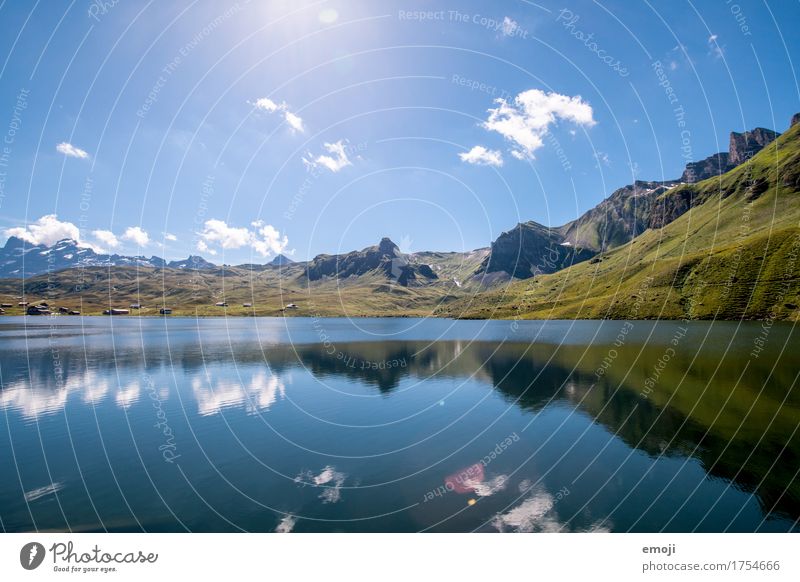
<point x="481" y="156"/>
<point x="48" y="230"/>
<point x="203" y="248"/>
<point x="170" y="236"/>
<point x="602" y="158"/>
<point x="268" y="240"/>
<point x="70" y="150"/>
<point x="137" y="235"/>
<point x="264" y="239"/>
<point x="335" y="162"/>
<point x="228" y="237"/>
<point x="294" y="121"/>
<point x="525" y="119"/>
<point x="713" y="47"/>
<point x="509" y="26"/>
<point x="270" y="106"/>
<point x="106" y="237"/>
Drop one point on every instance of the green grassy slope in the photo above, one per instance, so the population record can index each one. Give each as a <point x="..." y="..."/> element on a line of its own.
<point x="734" y="255"/>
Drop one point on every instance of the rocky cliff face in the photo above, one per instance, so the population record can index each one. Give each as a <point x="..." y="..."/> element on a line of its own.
<point x="530" y="249"/>
<point x="715" y="165"/>
<point x="617" y="219"/>
<point x="795" y="120"/>
<point x="745" y="145"/>
<point x="671" y="206"/>
<point x="631" y="210"/>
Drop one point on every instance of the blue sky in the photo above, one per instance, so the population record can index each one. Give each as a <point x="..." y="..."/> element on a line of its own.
<point x="237" y="130"/>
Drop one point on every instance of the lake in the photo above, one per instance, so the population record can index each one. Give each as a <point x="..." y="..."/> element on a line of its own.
<point x="397" y="425"/>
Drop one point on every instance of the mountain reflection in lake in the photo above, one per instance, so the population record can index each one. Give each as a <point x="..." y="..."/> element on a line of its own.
<point x="396" y="425"/>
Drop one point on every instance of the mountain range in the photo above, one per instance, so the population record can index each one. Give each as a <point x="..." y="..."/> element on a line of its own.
<point x="496" y="281"/>
<point x="19" y="259"/>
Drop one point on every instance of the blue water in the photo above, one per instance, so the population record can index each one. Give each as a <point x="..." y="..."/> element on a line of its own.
<point x="243" y="424"/>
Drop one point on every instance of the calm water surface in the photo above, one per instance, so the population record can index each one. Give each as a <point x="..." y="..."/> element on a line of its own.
<point x="397" y="425"/>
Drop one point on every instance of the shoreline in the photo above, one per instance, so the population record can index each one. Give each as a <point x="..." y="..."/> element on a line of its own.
<point x="378" y="316"/>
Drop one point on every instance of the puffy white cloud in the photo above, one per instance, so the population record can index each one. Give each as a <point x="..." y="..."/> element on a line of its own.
<point x="481" y="156"/>
<point x="138" y="235"/>
<point x="48" y="230"/>
<point x="203" y="248"/>
<point x="294" y="121"/>
<point x="334" y="162"/>
<point x="268" y="240"/>
<point x="524" y="120"/>
<point x="70" y="150"/>
<point x="106" y="237"/>
<point x="270" y="106"/>
<point x="509" y="26"/>
<point x="228" y="237"/>
<point x="169" y="236"/>
<point x="264" y="239"/>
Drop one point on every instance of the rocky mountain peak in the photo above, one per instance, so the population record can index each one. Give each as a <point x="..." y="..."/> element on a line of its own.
<point x="745" y="145"/>
<point x="192" y="262"/>
<point x="384" y="258"/>
<point x="387" y="247"/>
<point x="14" y="243"/>
<point x="795" y="120"/>
<point x="281" y="260"/>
